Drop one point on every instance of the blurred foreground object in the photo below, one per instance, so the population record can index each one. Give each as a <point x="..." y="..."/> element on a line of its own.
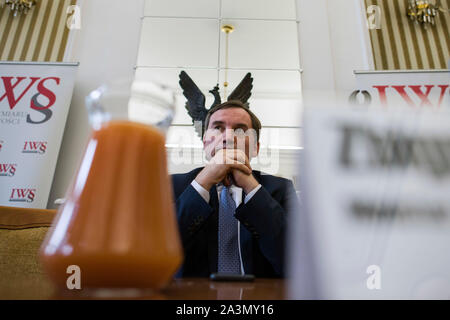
<point x="376" y="217"/>
<point x="117" y="225"/>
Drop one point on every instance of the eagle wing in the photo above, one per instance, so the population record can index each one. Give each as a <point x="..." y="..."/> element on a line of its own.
<point x="244" y="90"/>
<point x="195" y="104"/>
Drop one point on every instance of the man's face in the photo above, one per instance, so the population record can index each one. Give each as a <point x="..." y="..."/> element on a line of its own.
<point x="230" y="128"/>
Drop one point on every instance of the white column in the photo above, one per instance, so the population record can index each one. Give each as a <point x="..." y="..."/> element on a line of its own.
<point x="106" y="47"/>
<point x="334" y="41"/>
<point x="316" y="55"/>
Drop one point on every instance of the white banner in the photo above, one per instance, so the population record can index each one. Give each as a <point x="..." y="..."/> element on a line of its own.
<point x="376" y="221"/>
<point x="34" y="103"/>
<point x="415" y="89"/>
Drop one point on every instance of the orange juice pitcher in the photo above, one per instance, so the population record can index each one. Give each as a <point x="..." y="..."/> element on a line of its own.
<point x="117" y="227"/>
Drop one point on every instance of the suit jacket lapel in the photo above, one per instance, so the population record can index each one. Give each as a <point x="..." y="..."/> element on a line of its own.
<point x="246" y="238"/>
<point x="213" y="241"/>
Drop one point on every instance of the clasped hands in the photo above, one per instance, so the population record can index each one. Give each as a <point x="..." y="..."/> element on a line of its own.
<point x="228" y="164"/>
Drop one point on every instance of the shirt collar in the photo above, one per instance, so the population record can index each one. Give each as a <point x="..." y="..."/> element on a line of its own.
<point x="219" y="187"/>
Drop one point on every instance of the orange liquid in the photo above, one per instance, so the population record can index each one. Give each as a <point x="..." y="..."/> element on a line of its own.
<point x="118" y="223"/>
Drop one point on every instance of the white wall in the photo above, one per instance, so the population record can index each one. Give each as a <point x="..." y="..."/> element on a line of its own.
<point x="106" y="47"/>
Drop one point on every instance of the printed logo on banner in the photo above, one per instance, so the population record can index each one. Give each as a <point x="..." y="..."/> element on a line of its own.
<point x="35" y="147"/>
<point x="414" y="91"/>
<point x="34" y="104"/>
<point x="22" y="195"/>
<point x="407" y="93"/>
<point x="8" y="169"/>
<point x="41" y="99"/>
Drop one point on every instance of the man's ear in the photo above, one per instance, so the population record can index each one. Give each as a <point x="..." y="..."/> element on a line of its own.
<point x="204" y="137"/>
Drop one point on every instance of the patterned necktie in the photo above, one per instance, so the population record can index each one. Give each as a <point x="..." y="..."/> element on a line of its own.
<point x="229" y="261"/>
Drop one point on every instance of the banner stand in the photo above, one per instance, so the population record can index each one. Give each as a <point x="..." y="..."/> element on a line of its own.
<point x="34" y="103"/>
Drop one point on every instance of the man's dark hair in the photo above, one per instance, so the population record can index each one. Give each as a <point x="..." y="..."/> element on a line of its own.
<point x="256" y="124"/>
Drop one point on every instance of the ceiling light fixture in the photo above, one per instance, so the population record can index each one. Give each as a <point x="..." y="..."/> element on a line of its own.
<point x="424" y="12"/>
<point x="18" y="6"/>
<point x="227" y="28"/>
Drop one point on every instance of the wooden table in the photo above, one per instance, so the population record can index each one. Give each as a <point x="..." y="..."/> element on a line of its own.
<point x="178" y="289"/>
<point x="204" y="289"/>
<point x="22" y="278"/>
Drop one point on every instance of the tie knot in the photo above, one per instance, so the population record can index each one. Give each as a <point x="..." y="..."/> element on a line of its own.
<point x="227" y="198"/>
<point x="226" y="191"/>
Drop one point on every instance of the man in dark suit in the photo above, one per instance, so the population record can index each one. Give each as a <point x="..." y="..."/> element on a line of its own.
<point x="231" y="218"/>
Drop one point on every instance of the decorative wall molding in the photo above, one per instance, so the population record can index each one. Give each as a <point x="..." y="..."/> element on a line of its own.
<point x="400" y="44"/>
<point x="40" y="35"/>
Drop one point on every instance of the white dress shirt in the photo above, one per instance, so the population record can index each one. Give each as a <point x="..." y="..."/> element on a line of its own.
<point x="235" y="191"/>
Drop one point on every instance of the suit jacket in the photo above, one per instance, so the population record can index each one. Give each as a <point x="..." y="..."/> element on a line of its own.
<point x="262" y="232"/>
